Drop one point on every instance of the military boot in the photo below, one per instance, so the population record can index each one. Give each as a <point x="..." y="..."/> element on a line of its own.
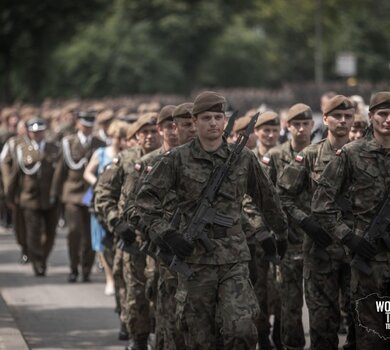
<point x="276" y="337"/>
<point x="138" y="344"/>
<point x="264" y="343"/>
<point x="123" y="332"/>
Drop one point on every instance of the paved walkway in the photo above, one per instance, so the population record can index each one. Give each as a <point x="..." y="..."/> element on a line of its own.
<point x="50" y="313"/>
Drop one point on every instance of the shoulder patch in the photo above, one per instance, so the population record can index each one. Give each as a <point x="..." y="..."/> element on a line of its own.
<point x="265" y="160"/>
<point x="299" y="158"/>
<point x="338" y="152"/>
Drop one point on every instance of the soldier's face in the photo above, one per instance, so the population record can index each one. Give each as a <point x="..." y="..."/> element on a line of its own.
<point x="148" y="137"/>
<point x="186" y="130"/>
<point x="168" y="133"/>
<point x="268" y="135"/>
<point x="380" y="120"/>
<point x="86" y="130"/>
<point x="339" y="122"/>
<point x="37" y="136"/>
<point x="210" y="125"/>
<point x="300" y="129"/>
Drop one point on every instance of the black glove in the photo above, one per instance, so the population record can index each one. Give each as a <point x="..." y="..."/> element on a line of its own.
<point x="269" y="246"/>
<point x="179" y="246"/>
<point x="282" y="248"/>
<point x="359" y="246"/>
<point x="293" y="238"/>
<point x="316" y="232"/>
<point x="125" y="232"/>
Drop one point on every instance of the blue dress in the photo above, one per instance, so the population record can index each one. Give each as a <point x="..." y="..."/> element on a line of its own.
<point x="97" y="230"/>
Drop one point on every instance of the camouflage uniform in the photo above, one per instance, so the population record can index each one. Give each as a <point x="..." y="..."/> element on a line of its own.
<point x="362" y="168"/>
<point x="322" y="278"/>
<point x="110" y="201"/>
<point x="221" y="278"/>
<point x="292" y="334"/>
<point x="167" y="336"/>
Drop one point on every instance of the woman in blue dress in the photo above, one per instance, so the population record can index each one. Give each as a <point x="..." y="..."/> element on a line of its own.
<point x="99" y="160"/>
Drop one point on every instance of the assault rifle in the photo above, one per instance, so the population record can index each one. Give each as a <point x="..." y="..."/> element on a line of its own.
<point x="205" y="215"/>
<point x="377" y="231"/>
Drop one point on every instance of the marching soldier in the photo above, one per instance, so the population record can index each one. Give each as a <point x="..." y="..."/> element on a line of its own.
<point x="299" y="121"/>
<point x="362" y="169"/>
<point x="323" y="273"/>
<point x="36" y="160"/>
<point x="221" y="277"/>
<point x="267" y="129"/>
<point x="69" y="187"/>
<point x="113" y="192"/>
<point x="9" y="169"/>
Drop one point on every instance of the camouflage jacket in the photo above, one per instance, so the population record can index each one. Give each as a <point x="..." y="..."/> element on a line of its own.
<point x="362" y="168"/>
<point x="109" y="201"/>
<point x="186" y="170"/>
<point x="300" y="178"/>
<point x="274" y="163"/>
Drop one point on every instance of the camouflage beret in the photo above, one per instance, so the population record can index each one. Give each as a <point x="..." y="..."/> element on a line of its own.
<point x="241" y="123"/>
<point x="149" y="118"/>
<point x="209" y="101"/>
<point x="131" y="130"/>
<point x="299" y="111"/>
<point x="268" y="118"/>
<point x="165" y="113"/>
<point x="105" y="116"/>
<point x="380" y="100"/>
<point x="337" y="102"/>
<point x="184" y="110"/>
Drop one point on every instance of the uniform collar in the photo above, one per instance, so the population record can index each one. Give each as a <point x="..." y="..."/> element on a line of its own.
<point x="198" y="151"/>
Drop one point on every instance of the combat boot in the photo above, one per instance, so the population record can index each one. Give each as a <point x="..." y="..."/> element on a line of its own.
<point x="264" y="343"/>
<point x="138" y="344"/>
<point x="123" y="332"/>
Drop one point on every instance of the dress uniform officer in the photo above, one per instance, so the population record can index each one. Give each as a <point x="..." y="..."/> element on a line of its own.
<point x="36" y="161"/>
<point x="70" y="187"/>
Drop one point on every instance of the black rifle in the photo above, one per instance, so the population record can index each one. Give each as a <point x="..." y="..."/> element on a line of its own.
<point x="377" y="231"/>
<point x="205" y="215"/>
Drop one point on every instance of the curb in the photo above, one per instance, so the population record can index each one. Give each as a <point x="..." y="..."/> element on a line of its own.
<point x="10" y="336"/>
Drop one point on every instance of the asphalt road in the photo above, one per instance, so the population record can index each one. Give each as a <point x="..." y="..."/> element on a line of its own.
<point x="49" y="313"/>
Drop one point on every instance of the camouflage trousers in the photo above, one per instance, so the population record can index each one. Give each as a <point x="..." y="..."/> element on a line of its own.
<point x="223" y="287"/>
<point x="323" y="282"/>
<point x="261" y="291"/>
<point x="138" y="309"/>
<point x="120" y="285"/>
<point x="167" y="335"/>
<point x="366" y="291"/>
<point x="291" y="295"/>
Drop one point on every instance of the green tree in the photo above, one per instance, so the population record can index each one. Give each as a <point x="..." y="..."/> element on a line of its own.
<point x="28" y="33"/>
